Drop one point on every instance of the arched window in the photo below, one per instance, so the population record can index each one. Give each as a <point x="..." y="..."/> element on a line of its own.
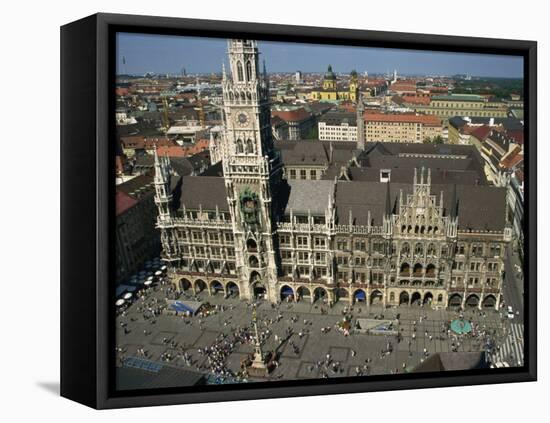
<point x="253" y="261"/>
<point x="405" y="249"/>
<point x="239" y="146"/>
<point x="249" y="146"/>
<point x="431" y="250"/>
<point x="240" y="77"/>
<point x="248" y="71"/>
<point x="417" y="270"/>
<point x="251" y="245"/>
<point x="418" y="249"/>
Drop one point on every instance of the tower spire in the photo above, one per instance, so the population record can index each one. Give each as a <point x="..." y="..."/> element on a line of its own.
<point x="159" y="173"/>
<point x="163" y="195"/>
<point x="387" y="219"/>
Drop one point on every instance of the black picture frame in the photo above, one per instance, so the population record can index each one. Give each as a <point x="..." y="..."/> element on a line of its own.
<point x="87" y="208"/>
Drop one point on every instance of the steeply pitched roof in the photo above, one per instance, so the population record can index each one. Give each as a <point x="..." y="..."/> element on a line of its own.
<point x="203" y="191"/>
<point x="171" y="151"/>
<point x="363" y="197"/>
<point x="460" y="164"/>
<point x="138" y="187"/>
<point x="309" y="196"/>
<point x="480" y="208"/>
<point x="304" y="153"/>
<point x="481" y="132"/>
<point x="123" y="202"/>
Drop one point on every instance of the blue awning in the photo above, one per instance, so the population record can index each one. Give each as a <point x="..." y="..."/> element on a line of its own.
<point x="360" y="295"/>
<point x="287" y="291"/>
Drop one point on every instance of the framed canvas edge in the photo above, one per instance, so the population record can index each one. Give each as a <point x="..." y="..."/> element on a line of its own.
<point x="105" y="22"/>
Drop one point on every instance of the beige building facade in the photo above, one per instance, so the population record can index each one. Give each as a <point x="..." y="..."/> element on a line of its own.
<point x="408" y="128"/>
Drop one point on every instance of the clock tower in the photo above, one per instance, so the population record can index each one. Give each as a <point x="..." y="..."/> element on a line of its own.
<point x="252" y="169"/>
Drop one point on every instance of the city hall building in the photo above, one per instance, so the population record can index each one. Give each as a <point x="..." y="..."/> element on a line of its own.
<point x="385" y="224"/>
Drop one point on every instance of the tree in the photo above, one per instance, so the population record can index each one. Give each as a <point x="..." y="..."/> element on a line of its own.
<point x="311" y="134"/>
<point x="438" y="139"/>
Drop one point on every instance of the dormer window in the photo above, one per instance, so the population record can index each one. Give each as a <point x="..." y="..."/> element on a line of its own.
<point x="385" y="175"/>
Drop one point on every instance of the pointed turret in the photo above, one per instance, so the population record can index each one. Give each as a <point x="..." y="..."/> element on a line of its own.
<point x="388" y="212"/>
<point x="163" y="194"/>
<point x="159" y="171"/>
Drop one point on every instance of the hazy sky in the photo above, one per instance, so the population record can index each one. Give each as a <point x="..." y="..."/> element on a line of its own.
<point x="169" y="54"/>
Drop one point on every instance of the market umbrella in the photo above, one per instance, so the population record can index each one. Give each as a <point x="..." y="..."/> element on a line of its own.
<point x="127" y="296"/>
<point x="119" y="302"/>
<point x="148" y="283"/>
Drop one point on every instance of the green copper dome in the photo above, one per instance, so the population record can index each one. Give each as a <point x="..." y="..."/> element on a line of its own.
<point x="330" y="73"/>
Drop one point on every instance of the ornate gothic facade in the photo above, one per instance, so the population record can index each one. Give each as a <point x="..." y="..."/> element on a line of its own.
<point x="408" y="225"/>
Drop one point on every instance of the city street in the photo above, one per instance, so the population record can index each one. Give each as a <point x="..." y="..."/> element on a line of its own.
<point x="512" y="349"/>
<point x="513" y="284"/>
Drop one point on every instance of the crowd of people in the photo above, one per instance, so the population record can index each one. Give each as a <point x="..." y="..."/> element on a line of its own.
<point x="280" y="328"/>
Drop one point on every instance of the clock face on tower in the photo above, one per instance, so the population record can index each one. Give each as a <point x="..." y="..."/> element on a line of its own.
<point x="242" y="119"/>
